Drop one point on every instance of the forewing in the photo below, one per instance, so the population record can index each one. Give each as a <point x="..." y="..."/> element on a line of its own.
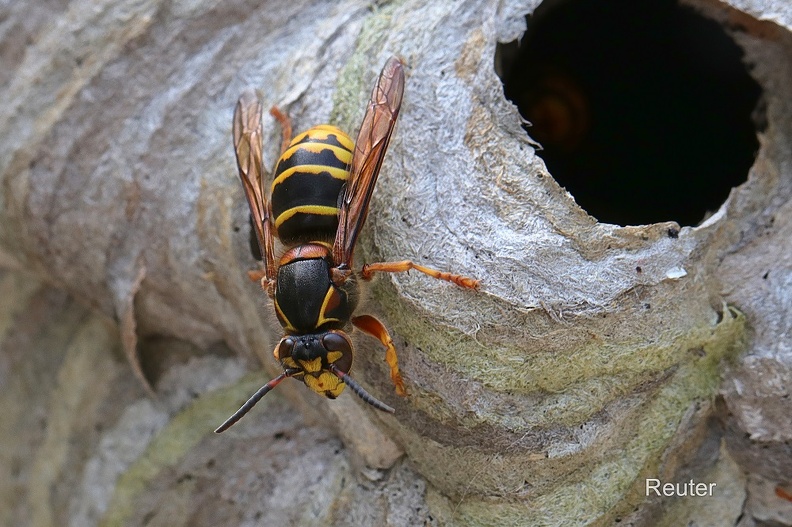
<point x="372" y="142"/>
<point x="247" y="146"/>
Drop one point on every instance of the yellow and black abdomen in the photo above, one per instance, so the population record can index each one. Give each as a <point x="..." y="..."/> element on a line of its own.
<point x="308" y="179"/>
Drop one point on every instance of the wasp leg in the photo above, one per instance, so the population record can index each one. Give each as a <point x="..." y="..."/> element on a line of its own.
<point x="260" y="276"/>
<point x="286" y="127"/>
<point x="399" y="267"/>
<point x="371" y="326"/>
<point x="255" y="275"/>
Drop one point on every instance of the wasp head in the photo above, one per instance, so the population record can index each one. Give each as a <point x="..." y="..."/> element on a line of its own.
<point x="321" y="361"/>
<point x="313" y="356"/>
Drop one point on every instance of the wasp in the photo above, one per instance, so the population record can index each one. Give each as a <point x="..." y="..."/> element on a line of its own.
<point x="318" y="202"/>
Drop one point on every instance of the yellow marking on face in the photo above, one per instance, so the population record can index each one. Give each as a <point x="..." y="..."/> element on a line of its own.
<point x="335" y="392"/>
<point x="337" y="173"/>
<point x="324" y="383"/>
<point x="312" y="366"/>
<point x="320" y="210"/>
<point x="288" y="362"/>
<point x="333" y="356"/>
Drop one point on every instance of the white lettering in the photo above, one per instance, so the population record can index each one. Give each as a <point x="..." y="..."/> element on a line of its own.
<point x="689" y="488"/>
<point x="652" y="484"/>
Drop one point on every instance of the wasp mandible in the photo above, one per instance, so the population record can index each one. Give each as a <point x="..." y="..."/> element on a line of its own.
<point x="318" y="202"/>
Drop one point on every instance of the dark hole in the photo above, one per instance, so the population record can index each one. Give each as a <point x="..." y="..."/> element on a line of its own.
<point x="643" y="109"/>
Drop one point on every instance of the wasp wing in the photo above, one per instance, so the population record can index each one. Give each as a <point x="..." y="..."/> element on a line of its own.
<point x="372" y="142"/>
<point x="247" y="146"/>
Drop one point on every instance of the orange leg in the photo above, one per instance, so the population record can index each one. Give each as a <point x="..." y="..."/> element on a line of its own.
<point x="371" y="326"/>
<point x="258" y="275"/>
<point x="399" y="267"/>
<point x="286" y="127"/>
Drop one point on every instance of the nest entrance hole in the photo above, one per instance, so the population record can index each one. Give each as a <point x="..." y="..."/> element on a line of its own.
<point x="645" y="110"/>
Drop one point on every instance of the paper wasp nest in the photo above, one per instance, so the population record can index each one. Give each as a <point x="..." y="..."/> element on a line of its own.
<point x="593" y="357"/>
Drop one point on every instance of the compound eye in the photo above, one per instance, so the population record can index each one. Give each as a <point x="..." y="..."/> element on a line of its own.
<point x="336" y="342"/>
<point x="284" y="348"/>
<point x="339" y="350"/>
